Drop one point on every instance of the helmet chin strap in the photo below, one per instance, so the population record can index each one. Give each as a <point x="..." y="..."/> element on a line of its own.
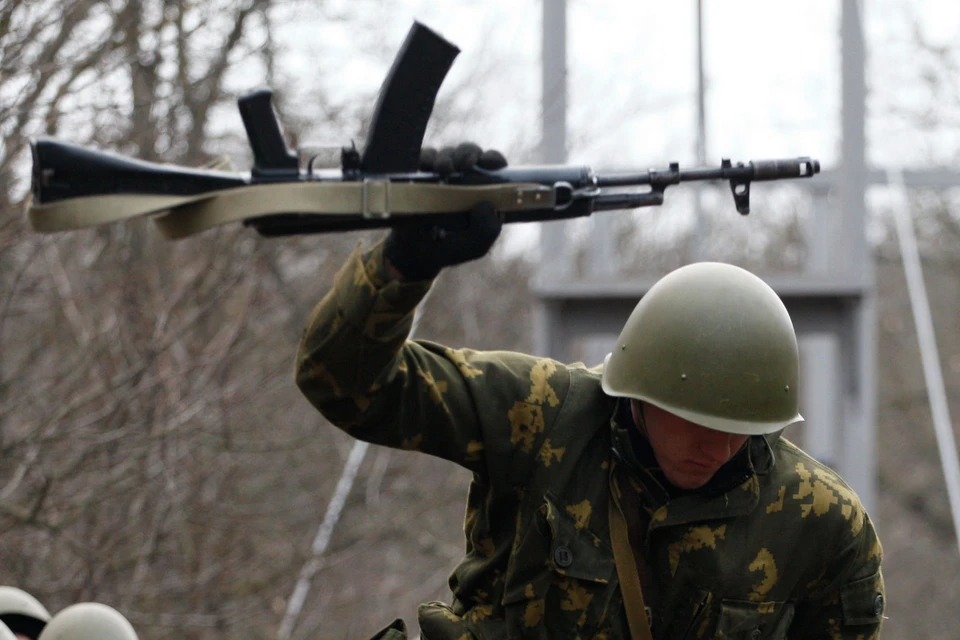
<point x="769" y="447"/>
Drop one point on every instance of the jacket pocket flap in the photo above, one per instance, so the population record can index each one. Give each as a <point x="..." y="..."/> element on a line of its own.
<point x="754" y="620"/>
<point x="575" y="550"/>
<point x="862" y="600"/>
<point x="560" y="541"/>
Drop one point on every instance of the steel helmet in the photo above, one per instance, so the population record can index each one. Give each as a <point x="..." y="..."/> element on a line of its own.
<point x="21" y="612"/>
<point x="713" y="344"/>
<point x="88" y="621"/>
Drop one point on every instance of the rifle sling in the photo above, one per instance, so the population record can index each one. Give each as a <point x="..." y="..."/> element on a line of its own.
<point x="629" y="579"/>
<point x="182" y="216"/>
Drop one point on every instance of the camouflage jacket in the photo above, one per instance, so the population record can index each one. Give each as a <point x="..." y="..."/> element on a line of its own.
<point x="777" y="546"/>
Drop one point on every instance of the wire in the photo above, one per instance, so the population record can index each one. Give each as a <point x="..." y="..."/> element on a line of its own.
<point x="335" y="507"/>
<point x="927" y="340"/>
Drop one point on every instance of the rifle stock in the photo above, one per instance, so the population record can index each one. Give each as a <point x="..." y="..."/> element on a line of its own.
<point x="62" y="171"/>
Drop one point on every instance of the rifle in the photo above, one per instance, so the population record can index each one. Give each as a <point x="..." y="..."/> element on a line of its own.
<point x="74" y="187"/>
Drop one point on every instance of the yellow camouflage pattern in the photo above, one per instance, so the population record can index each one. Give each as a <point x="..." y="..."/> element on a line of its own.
<point x="694" y="539"/>
<point x="789" y="552"/>
<point x="526" y="422"/>
<point x="548" y="454"/>
<point x="459" y="358"/>
<point x="764" y="563"/>
<point x="581" y="513"/>
<point x="777" y="505"/>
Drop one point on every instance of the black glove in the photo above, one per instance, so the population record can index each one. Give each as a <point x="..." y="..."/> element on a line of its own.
<point x="419" y="250"/>
<point x="463" y="157"/>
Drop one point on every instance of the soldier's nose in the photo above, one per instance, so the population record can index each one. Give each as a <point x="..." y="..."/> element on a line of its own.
<point x="716" y="445"/>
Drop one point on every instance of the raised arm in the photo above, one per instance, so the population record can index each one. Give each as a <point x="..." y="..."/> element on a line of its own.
<point x="356" y="365"/>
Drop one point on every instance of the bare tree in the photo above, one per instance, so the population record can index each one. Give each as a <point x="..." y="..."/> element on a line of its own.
<point x="158" y="456"/>
<point x="145" y="447"/>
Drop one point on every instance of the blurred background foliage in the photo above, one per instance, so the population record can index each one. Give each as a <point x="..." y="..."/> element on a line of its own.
<point x="156" y="455"/>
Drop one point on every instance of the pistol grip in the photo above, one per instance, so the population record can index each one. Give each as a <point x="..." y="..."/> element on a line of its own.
<point x="271" y="158"/>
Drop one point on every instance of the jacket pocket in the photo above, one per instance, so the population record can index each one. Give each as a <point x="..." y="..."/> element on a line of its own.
<point x="747" y="620"/>
<point x="562" y="576"/>
<point x="862" y="601"/>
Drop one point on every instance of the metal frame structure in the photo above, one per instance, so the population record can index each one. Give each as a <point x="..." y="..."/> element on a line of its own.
<point x="832" y="302"/>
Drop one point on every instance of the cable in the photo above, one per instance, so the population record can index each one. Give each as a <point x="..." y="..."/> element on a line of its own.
<point x="348" y="476"/>
<point x="932" y="374"/>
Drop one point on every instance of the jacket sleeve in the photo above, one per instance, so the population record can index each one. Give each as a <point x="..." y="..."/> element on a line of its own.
<point x="848" y="601"/>
<point x="356" y="366"/>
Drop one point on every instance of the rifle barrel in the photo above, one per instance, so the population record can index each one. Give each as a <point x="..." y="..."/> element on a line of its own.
<point x="756" y="171"/>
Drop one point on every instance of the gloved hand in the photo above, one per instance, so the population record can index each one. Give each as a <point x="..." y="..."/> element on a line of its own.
<point x="463" y="157"/>
<point x="419" y="250"/>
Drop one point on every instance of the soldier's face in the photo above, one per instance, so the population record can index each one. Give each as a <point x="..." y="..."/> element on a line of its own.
<point x="688" y="453"/>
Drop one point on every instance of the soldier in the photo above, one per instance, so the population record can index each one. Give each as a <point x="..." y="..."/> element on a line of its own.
<point x="88" y="621"/>
<point x="22" y="613"/>
<point x="652" y="497"/>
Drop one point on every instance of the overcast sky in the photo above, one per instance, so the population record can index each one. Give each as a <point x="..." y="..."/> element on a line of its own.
<point x="772" y="69"/>
<point x="772" y="74"/>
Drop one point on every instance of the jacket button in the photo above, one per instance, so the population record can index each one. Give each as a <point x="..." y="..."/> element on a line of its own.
<point x="563" y="556"/>
<point x="878" y="604"/>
